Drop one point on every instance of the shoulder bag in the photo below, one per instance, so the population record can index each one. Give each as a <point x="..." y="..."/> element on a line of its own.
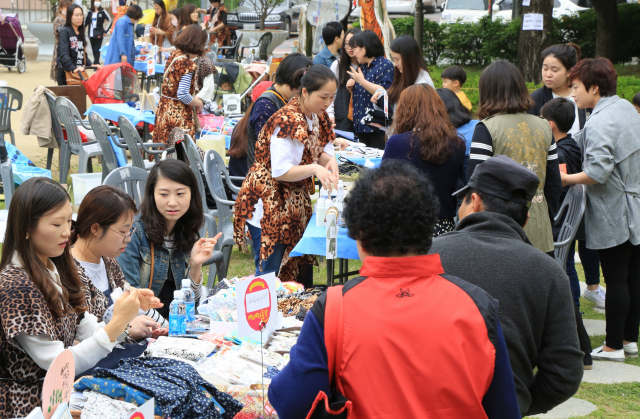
<point x="335" y="405"/>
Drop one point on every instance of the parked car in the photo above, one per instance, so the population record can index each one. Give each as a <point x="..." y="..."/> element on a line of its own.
<point x="283" y="17"/>
<point x="473" y="10"/>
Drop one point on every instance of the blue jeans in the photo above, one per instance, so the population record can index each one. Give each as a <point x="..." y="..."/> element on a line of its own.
<point x="590" y="264"/>
<point x="272" y="264"/>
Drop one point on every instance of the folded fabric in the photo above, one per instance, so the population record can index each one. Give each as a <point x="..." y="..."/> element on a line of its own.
<point x="252" y="399"/>
<point x="99" y="406"/>
<point x="116" y="390"/>
<point x="176" y="386"/>
<point x="191" y="349"/>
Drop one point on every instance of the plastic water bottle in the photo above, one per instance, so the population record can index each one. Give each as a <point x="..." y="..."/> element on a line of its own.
<point x="340" y="191"/>
<point x="188" y="298"/>
<point x="321" y="210"/>
<point x="177" y="315"/>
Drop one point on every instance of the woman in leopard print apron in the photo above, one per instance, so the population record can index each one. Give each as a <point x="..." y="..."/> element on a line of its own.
<point x="295" y="145"/>
<point x="177" y="102"/>
<point x="42" y="299"/>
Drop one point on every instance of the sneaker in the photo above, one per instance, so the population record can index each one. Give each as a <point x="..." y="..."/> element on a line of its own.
<point x="588" y="362"/>
<point x="630" y="350"/>
<point x="599" y="354"/>
<point x="596" y="296"/>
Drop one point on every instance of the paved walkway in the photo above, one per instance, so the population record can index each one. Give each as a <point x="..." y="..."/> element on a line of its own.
<point x="571" y="408"/>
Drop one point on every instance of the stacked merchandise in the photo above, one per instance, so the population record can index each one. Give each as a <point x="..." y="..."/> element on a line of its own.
<point x="298" y="303"/>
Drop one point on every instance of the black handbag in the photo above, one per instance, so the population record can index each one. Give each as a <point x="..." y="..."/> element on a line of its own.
<point x="335" y="405"/>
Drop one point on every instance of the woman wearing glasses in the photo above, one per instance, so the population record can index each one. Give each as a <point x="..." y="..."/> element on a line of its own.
<point x="166" y="246"/>
<point x="102" y="231"/>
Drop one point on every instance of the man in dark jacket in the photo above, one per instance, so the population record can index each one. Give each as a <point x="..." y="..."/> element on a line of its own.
<point x="490" y="249"/>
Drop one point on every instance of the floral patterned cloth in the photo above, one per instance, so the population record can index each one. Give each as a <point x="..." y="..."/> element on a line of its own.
<point x="176" y="386"/>
<point x="116" y="390"/>
<point x="100" y="406"/>
<point x="252" y="399"/>
<point x="287" y="205"/>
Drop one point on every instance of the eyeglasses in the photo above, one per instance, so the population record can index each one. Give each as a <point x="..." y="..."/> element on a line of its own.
<point x="125" y="236"/>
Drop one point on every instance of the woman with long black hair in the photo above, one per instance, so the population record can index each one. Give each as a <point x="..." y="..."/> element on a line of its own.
<point x="72" y="45"/>
<point x="342" y="105"/>
<point x="162" y="28"/>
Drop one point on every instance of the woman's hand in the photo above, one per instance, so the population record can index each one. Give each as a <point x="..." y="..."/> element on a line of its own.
<point x="327" y="178"/>
<point x="148" y="300"/>
<point x="127" y="306"/>
<point x="565" y="179"/>
<point x="357" y="75"/>
<point x="375" y="97"/>
<point x="202" y="251"/>
<point x="350" y="84"/>
<point x="97" y="66"/>
<point x="197" y="104"/>
<point x="123" y="58"/>
<point x="79" y="70"/>
<point x="342" y="143"/>
<point x="156" y="31"/>
<point x="142" y="327"/>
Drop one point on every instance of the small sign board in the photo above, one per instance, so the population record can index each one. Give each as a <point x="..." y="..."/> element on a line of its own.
<point x="146" y="411"/>
<point x="58" y="383"/>
<point x="257" y="304"/>
<point x="532" y="22"/>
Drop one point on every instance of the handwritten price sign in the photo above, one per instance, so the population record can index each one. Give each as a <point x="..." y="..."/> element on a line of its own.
<point x="255" y="298"/>
<point x="58" y="383"/>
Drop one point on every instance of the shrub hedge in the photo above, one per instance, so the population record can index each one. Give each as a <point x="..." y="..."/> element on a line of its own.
<point x="487" y="41"/>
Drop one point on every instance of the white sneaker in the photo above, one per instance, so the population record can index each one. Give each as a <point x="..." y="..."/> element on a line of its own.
<point x="596" y="296"/>
<point x="630" y="350"/>
<point x="599" y="354"/>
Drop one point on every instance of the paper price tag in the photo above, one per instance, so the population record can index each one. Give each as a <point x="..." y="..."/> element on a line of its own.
<point x="58" y="383"/>
<point x="145" y="411"/>
<point x="151" y="68"/>
<point x="532" y="22"/>
<point x="256" y="301"/>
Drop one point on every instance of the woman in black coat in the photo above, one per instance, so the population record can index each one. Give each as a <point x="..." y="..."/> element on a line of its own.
<point x="72" y="45"/>
<point x="94" y="22"/>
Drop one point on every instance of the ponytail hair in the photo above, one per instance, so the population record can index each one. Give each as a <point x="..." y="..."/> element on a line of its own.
<point x="313" y="78"/>
<point x="567" y="54"/>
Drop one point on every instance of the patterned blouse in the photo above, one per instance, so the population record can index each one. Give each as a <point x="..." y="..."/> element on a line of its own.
<point x="23" y="308"/>
<point x="379" y="72"/>
<point x="58" y="23"/>
<point x="287" y="205"/>
<point x="97" y="301"/>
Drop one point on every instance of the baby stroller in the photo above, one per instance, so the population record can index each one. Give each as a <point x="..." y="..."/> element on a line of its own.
<point x="11" y="39"/>
<point x="114" y="83"/>
<point x="240" y="81"/>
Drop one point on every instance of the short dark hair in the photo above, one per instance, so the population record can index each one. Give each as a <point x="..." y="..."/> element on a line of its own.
<point x="369" y="41"/>
<point x="392" y="210"/>
<point x="517" y="212"/>
<point x="567" y="54"/>
<point x="560" y="111"/>
<point x="596" y="72"/>
<point x="454" y="73"/>
<point x="331" y="31"/>
<point x="187" y="229"/>
<point x="191" y="40"/>
<point x="458" y="114"/>
<point x="502" y="90"/>
<point x="636" y="99"/>
<point x="134" y="12"/>
<point x="288" y="67"/>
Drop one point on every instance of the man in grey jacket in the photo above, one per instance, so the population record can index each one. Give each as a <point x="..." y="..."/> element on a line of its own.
<point x="490" y="249"/>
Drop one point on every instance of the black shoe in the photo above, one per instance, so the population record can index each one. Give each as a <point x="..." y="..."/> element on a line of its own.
<point x="588" y="362"/>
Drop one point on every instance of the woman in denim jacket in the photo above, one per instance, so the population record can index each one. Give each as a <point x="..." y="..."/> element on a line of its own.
<point x="611" y="148"/>
<point x="166" y="239"/>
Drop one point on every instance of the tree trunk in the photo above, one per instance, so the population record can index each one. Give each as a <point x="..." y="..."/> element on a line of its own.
<point x="607" y="39"/>
<point x="532" y="43"/>
<point x="418" y="31"/>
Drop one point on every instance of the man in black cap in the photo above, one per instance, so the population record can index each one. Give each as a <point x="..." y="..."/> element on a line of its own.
<point x="490" y="249"/>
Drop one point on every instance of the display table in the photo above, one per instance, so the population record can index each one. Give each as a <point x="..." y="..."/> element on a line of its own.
<point x="112" y="111"/>
<point x="314" y="242"/>
<point x="375" y="160"/>
<point x="142" y="66"/>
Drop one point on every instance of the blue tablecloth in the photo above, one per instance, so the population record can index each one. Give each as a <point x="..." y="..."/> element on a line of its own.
<point x="142" y="66"/>
<point x="314" y="242"/>
<point x="111" y="112"/>
<point x="375" y="160"/>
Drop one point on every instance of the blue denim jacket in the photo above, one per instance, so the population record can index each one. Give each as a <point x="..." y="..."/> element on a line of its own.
<point x="122" y="43"/>
<point x="324" y="57"/>
<point x="136" y="262"/>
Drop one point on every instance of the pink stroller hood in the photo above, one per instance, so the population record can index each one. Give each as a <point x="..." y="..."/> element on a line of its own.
<point x="8" y="31"/>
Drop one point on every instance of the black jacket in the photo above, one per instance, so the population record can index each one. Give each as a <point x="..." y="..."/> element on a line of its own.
<point x="569" y="153"/>
<point x="544" y="95"/>
<point x="492" y="251"/>
<point x="68" y="50"/>
<point x="99" y="31"/>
